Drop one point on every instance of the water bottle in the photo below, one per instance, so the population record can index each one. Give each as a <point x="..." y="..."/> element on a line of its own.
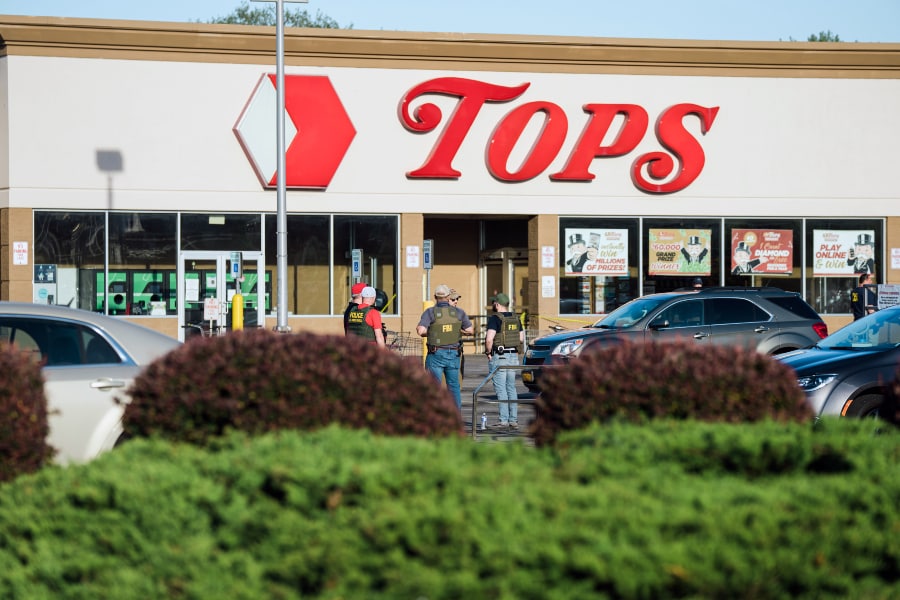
<point x="483" y="421"/>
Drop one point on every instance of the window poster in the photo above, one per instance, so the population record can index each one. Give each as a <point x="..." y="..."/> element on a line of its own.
<point x="601" y="252"/>
<point x="843" y="253"/>
<point x="762" y="251"/>
<point x="679" y="251"/>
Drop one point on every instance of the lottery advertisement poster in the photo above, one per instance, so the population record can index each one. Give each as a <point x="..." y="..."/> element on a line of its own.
<point x="843" y="253"/>
<point x="679" y="252"/>
<point x="596" y="251"/>
<point x="762" y="251"/>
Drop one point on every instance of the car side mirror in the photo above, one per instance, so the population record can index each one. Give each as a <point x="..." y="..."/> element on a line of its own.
<point x="659" y="324"/>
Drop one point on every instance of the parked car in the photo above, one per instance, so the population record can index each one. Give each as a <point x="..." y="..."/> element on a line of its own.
<point x="848" y="373"/>
<point x="768" y="319"/>
<point x="89" y="359"/>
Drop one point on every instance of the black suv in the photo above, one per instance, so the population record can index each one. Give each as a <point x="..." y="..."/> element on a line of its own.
<point x="768" y="319"/>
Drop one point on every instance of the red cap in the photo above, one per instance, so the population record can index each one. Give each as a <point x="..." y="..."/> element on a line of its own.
<point x="357" y="289"/>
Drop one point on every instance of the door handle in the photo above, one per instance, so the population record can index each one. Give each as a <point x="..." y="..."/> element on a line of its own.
<point x="760" y="329"/>
<point x="700" y="335"/>
<point x="107" y="384"/>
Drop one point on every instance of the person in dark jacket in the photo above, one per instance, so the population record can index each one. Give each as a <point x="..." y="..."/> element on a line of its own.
<point x="864" y="298"/>
<point x="355" y="296"/>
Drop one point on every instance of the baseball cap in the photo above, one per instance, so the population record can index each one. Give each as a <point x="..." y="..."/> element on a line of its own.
<point x="501" y="299"/>
<point x="368" y="292"/>
<point x="454" y="295"/>
<point x="357" y="289"/>
<point x="441" y="291"/>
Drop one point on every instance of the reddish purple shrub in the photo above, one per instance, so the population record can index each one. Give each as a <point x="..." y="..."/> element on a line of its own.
<point x="258" y="381"/>
<point x="640" y="381"/>
<point x="23" y="414"/>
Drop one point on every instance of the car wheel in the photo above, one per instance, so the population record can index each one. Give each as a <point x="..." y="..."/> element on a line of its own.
<point x="868" y="405"/>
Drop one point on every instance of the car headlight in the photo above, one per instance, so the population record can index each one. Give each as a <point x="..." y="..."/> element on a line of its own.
<point x="811" y="383"/>
<point x="568" y="347"/>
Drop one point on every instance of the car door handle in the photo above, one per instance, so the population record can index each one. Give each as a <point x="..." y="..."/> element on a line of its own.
<point x="760" y="329"/>
<point x="107" y="384"/>
<point x="700" y="335"/>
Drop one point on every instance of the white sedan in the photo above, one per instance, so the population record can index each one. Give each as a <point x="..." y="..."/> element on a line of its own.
<point x="90" y="359"/>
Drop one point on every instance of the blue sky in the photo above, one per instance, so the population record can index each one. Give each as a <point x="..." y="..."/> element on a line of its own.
<point x="763" y="20"/>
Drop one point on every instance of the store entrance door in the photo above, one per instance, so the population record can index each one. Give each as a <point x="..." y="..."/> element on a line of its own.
<point x="207" y="288"/>
<point x="506" y="270"/>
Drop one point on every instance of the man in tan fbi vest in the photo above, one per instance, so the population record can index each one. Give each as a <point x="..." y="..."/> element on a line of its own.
<point x="502" y="343"/>
<point x="443" y="326"/>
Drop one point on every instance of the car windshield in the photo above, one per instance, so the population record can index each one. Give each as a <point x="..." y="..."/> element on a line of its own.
<point x="880" y="330"/>
<point x="628" y="314"/>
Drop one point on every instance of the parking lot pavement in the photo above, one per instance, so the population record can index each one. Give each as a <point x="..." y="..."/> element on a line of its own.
<point x="475" y="375"/>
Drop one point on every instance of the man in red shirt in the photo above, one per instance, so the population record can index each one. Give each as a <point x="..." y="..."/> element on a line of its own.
<point x="365" y="319"/>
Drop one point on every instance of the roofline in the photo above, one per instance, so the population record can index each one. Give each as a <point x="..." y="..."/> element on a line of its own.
<point x="199" y="42"/>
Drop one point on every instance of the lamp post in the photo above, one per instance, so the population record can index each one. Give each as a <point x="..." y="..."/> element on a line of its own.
<point x="280" y="182"/>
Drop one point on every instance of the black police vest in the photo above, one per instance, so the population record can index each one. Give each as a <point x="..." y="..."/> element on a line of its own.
<point x="356" y="323"/>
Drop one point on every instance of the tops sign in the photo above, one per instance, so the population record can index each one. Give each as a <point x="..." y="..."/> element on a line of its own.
<point x="662" y="175"/>
<point x="671" y="169"/>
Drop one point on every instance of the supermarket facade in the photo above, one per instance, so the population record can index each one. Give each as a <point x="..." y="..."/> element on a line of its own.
<point x="139" y="159"/>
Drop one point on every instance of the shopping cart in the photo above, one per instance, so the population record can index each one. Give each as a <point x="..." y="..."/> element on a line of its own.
<point x="403" y="343"/>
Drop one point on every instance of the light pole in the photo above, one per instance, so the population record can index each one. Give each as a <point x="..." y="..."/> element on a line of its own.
<point x="281" y="225"/>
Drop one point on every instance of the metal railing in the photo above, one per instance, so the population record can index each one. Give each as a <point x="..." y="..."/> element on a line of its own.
<point x="489" y="377"/>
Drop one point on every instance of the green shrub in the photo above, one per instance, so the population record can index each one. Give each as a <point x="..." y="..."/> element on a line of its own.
<point x="23" y="414"/>
<point x="666" y="509"/>
<point x="257" y="381"/>
<point x="640" y="381"/>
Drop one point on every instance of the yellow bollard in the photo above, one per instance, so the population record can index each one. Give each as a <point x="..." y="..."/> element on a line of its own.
<point x="237" y="312"/>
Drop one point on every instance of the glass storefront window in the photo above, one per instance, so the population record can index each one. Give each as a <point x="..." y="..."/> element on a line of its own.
<point x="69" y="247"/>
<point x="70" y="253"/>
<point x="227" y="232"/>
<point x="764" y="252"/>
<point x="837" y="252"/>
<point x="142" y="271"/>
<point x="309" y="274"/>
<point x="598" y="264"/>
<point x="376" y="236"/>
<point x="678" y="250"/>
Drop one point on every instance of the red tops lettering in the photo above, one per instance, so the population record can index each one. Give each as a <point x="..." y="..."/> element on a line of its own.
<point x="662" y="172"/>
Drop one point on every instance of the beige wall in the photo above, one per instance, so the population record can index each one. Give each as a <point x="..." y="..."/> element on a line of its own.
<point x="17" y="280"/>
<point x="543" y="230"/>
<point x="456" y="240"/>
<point x="411" y="279"/>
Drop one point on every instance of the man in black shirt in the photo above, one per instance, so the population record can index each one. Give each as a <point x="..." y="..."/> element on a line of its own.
<point x="864" y="299"/>
<point x="355" y="298"/>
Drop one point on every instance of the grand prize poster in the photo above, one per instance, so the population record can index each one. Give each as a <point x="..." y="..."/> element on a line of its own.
<point x="679" y="251"/>
<point x="843" y="253"/>
<point x="596" y="252"/>
<point x="762" y="251"/>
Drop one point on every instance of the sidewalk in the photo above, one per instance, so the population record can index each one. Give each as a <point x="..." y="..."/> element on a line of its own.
<point x="475" y="374"/>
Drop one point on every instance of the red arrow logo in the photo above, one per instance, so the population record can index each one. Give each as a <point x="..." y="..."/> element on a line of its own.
<point x="318" y="123"/>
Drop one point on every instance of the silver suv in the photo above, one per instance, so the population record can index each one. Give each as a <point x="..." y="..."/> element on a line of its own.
<point x="770" y="320"/>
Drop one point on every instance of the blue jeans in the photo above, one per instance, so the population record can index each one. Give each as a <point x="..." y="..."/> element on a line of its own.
<point x="443" y="364"/>
<point x="504" y="381"/>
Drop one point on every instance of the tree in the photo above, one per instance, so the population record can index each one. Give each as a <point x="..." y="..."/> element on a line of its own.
<point x="824" y="36"/>
<point x="265" y="15"/>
